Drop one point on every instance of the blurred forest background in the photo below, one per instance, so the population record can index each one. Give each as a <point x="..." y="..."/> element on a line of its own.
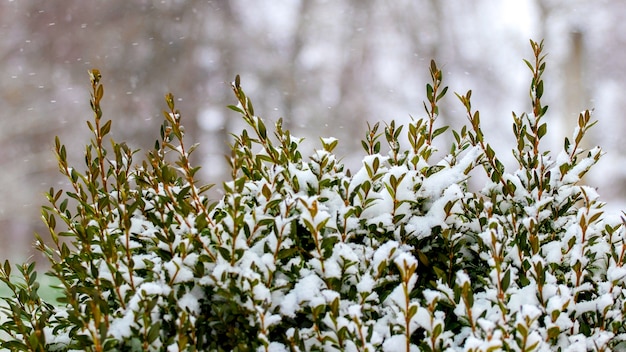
<point x="327" y="67"/>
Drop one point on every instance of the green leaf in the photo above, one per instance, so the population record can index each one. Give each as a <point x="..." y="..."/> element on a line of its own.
<point x="429" y="92"/>
<point x="506" y="280"/>
<point x="440" y="130"/>
<point x="262" y="129"/>
<point x="442" y="94"/>
<point x="530" y="66"/>
<point x="235" y="108"/>
<point x="539" y="92"/>
<point x="7" y="268"/>
<point x="154" y="331"/>
<point x="489" y="152"/>
<point x="412" y="311"/>
<point x="14" y="345"/>
<point x="169" y="100"/>
<point x="250" y="107"/>
<point x="476" y="119"/>
<point x="541" y="131"/>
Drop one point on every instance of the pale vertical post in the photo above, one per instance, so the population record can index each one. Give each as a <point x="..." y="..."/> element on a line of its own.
<point x="575" y="93"/>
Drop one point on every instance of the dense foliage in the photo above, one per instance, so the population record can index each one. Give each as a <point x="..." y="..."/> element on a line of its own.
<point x="300" y="254"/>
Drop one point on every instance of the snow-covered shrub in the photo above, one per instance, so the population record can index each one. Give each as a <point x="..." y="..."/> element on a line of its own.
<point x="302" y="255"/>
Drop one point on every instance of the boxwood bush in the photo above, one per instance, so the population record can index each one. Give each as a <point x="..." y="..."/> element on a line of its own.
<point x="300" y="254"/>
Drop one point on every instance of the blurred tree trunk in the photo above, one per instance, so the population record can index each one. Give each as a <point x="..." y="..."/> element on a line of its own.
<point x="574" y="82"/>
